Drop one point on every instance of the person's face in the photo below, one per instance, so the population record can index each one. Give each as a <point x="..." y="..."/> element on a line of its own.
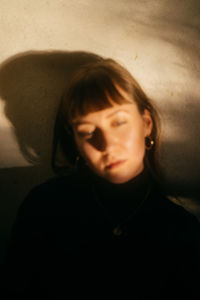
<point x="112" y="141"/>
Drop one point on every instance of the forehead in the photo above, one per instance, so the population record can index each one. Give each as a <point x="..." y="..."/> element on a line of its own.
<point x="95" y="97"/>
<point x="114" y="110"/>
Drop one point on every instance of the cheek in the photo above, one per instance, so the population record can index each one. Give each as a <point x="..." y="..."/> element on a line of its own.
<point x="134" y="141"/>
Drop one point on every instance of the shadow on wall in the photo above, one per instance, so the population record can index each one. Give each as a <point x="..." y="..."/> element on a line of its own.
<point x="31" y="84"/>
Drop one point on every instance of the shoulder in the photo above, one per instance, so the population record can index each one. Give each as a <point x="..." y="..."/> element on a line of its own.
<point x="51" y="207"/>
<point x="169" y="209"/>
<point x="178" y="221"/>
<point x="168" y="204"/>
<point x="53" y="195"/>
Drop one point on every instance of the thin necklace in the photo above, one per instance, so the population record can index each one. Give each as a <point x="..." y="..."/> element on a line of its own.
<point x="117" y="229"/>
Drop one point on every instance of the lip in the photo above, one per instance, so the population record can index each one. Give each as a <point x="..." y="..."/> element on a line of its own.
<point x="114" y="164"/>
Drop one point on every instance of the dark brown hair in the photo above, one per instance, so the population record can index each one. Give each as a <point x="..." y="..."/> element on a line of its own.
<point x="91" y="89"/>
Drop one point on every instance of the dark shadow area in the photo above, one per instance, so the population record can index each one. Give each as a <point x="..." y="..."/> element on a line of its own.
<point x="15" y="184"/>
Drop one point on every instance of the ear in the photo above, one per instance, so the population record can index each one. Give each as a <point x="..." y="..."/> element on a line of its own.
<point x="148" y="122"/>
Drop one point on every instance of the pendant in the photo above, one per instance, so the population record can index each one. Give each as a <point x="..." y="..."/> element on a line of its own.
<point x="117" y="231"/>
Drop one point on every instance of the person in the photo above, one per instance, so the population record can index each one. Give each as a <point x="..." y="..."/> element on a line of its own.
<point x="104" y="225"/>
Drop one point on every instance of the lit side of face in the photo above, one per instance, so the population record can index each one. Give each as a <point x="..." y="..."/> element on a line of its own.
<point x="112" y="141"/>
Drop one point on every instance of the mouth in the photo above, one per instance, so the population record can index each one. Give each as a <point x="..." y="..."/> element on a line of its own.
<point x="114" y="164"/>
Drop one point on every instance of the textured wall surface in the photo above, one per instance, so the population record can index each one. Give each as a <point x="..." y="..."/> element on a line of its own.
<point x="43" y="42"/>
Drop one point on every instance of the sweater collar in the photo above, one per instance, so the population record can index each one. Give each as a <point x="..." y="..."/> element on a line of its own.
<point x="119" y="200"/>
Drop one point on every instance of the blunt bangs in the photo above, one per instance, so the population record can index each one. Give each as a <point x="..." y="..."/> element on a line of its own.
<point x="95" y="90"/>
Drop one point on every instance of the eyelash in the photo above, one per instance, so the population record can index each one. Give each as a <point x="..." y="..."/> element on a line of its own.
<point x="86" y="134"/>
<point x="119" y="123"/>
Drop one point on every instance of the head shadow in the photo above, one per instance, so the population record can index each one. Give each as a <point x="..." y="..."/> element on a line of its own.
<point x="31" y="85"/>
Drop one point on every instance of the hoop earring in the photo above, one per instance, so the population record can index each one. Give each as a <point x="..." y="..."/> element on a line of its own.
<point x="149" y="142"/>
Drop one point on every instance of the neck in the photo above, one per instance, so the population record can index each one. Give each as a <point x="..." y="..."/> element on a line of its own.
<point x="134" y="182"/>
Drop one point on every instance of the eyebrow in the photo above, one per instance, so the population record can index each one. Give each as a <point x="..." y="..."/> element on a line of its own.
<point x="76" y="123"/>
<point x="115" y="112"/>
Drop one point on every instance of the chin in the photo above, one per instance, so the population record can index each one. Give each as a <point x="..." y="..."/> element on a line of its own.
<point x="122" y="178"/>
<point x="119" y="179"/>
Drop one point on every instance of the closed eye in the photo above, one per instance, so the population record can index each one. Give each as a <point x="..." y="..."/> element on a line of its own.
<point x="86" y="134"/>
<point x="119" y="123"/>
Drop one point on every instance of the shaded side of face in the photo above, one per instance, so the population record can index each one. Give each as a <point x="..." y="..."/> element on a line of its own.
<point x="112" y="140"/>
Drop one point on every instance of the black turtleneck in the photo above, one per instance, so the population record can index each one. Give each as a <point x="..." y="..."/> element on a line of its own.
<point x="60" y="238"/>
<point x="121" y="200"/>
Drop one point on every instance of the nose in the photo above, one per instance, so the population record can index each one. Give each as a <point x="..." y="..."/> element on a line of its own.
<point x="104" y="141"/>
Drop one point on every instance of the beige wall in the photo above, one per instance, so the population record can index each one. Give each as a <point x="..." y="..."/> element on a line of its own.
<point x="158" y="41"/>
